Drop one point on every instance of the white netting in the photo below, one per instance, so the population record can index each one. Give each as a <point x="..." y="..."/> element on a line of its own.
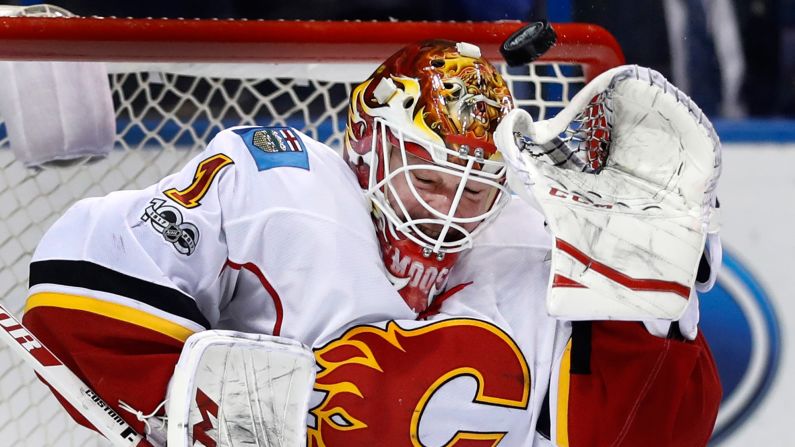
<point x="584" y="145"/>
<point x="162" y="120"/>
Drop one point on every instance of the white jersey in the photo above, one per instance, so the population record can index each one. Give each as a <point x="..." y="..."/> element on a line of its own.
<point x="266" y="231"/>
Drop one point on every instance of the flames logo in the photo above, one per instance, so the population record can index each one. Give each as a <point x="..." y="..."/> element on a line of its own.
<point x="377" y="382"/>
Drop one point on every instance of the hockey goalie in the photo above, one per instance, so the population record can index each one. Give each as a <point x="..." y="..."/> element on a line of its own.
<point x="274" y="293"/>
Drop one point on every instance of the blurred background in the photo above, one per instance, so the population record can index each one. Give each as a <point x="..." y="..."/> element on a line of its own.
<point x="736" y="59"/>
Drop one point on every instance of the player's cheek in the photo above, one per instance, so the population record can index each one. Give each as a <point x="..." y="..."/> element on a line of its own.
<point x="490" y="198"/>
<point x="483" y="202"/>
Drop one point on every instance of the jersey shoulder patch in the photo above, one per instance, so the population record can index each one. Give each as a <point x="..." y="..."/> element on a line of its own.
<point x="275" y="147"/>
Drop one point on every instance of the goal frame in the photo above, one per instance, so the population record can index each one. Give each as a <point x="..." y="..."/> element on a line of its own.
<point x="251" y="41"/>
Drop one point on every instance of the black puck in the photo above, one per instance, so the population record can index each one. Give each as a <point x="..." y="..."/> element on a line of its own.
<point x="528" y="43"/>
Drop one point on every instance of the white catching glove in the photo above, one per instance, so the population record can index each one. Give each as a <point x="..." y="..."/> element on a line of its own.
<point x="626" y="176"/>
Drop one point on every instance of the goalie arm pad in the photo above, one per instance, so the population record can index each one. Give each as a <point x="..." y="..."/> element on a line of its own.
<point x="233" y="388"/>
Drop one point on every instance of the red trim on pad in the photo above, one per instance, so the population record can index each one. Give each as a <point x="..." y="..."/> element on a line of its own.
<point x="638" y="284"/>
<point x="562" y="281"/>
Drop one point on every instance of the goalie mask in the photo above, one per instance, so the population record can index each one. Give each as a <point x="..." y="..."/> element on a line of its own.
<point x="420" y="140"/>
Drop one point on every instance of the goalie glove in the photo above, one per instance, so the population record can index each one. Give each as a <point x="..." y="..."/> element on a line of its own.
<point x="625" y="176"/>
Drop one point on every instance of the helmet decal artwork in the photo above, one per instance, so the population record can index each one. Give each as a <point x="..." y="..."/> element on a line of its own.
<point x="428" y="112"/>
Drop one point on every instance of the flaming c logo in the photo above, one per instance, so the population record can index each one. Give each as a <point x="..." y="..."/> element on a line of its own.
<point x="377" y="382"/>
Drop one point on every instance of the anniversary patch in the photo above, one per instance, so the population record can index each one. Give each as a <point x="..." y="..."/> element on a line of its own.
<point x="167" y="220"/>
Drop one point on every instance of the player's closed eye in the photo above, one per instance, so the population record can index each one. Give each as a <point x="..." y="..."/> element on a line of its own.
<point x="474" y="192"/>
<point x="423" y="179"/>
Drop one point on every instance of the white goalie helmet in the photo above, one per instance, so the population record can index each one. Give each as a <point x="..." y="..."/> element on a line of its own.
<point x="420" y="140"/>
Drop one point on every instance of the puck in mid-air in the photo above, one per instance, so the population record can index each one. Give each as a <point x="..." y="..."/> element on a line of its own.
<point x="528" y="43"/>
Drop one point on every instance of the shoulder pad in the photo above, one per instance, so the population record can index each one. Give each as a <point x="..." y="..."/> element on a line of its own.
<point x="274" y="147"/>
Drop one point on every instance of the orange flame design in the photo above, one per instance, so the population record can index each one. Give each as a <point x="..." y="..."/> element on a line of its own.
<point x="377" y="382"/>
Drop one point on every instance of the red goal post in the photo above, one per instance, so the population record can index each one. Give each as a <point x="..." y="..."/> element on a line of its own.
<point x="177" y="82"/>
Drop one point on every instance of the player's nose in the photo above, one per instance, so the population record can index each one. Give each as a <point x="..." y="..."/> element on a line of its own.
<point x="440" y="201"/>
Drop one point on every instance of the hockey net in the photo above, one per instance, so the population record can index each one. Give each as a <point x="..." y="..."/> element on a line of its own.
<point x="175" y="83"/>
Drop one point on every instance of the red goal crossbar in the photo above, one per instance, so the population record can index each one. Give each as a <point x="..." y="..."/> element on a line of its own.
<point x="182" y="40"/>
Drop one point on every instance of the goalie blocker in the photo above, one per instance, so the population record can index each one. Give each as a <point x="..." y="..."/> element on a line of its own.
<point x="232" y="388"/>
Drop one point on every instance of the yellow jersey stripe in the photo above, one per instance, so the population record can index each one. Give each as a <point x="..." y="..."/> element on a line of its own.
<point x="111" y="310"/>
<point x="562" y="418"/>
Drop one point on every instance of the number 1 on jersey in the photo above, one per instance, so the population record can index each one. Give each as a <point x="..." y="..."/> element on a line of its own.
<point x="191" y="196"/>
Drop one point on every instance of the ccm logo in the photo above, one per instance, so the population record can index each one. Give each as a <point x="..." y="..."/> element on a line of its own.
<point x="555" y="192"/>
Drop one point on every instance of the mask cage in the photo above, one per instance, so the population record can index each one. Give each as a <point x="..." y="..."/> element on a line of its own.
<point x="490" y="174"/>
